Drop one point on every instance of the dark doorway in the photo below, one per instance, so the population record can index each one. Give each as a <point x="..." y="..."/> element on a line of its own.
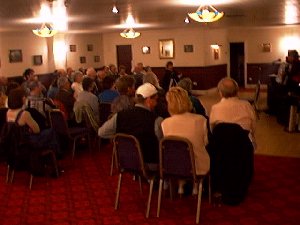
<point x="124" y="57"/>
<point x="237" y="62"/>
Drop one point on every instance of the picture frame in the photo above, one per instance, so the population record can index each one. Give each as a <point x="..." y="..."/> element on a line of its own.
<point x="166" y="49"/>
<point x="37" y="60"/>
<point x="15" y="56"/>
<point x="72" y="48"/>
<point x="82" y="59"/>
<point x="96" y="58"/>
<point x="90" y="47"/>
<point x="146" y="50"/>
<point x="188" y="48"/>
<point x="266" y="47"/>
<point x="216" y="53"/>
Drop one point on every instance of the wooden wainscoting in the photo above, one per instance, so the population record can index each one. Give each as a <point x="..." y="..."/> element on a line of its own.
<point x="203" y="77"/>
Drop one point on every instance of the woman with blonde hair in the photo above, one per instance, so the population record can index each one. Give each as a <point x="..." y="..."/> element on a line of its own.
<point x="193" y="127"/>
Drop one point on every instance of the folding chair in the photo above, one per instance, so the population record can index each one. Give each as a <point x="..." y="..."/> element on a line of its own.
<point x="177" y="161"/>
<point x="129" y="159"/>
<point x="59" y="125"/>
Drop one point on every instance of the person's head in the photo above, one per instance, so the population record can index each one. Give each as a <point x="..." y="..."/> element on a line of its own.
<point x="112" y="68"/>
<point x="78" y="76"/>
<point x="169" y="65"/>
<point x="3" y="80"/>
<point x="146" y="94"/>
<point x="186" y="83"/>
<point x="16" y="98"/>
<point x="29" y="74"/>
<point x="69" y="71"/>
<point x="35" y="87"/>
<point x="122" y="70"/>
<point x="293" y="56"/>
<point x="11" y="85"/>
<point x="126" y="85"/>
<point x="228" y="88"/>
<point x="151" y="78"/>
<point x="91" y="73"/>
<point x="63" y="83"/>
<point x="140" y="66"/>
<point x="108" y="82"/>
<point x="178" y="101"/>
<point x="61" y="73"/>
<point x="88" y="84"/>
<point x="101" y="73"/>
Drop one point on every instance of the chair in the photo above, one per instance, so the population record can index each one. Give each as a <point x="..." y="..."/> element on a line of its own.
<point x="59" y="125"/>
<point x="22" y="155"/>
<point x="105" y="112"/>
<point x="254" y="100"/>
<point x="231" y="154"/>
<point x="129" y="159"/>
<point x="176" y="160"/>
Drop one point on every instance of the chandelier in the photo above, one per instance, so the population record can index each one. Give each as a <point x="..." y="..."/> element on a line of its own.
<point x="206" y="14"/>
<point x="53" y="17"/>
<point x="46" y="30"/>
<point x="130" y="33"/>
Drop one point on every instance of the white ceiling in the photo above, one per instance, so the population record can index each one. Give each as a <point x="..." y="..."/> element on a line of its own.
<point x="96" y="15"/>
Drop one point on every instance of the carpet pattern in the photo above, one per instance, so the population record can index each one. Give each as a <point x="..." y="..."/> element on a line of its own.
<point x="84" y="195"/>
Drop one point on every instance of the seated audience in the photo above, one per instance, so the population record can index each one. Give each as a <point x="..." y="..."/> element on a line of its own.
<point x="88" y="97"/>
<point x="183" y="123"/>
<point x="140" y="122"/>
<point x="122" y="70"/>
<point x="28" y="76"/>
<point x="77" y="84"/>
<point x="126" y="87"/>
<point x="64" y="98"/>
<point x="113" y="71"/>
<point x="187" y="84"/>
<point x="231" y="109"/>
<point x="138" y="74"/>
<point x="40" y="138"/>
<point x="109" y="92"/>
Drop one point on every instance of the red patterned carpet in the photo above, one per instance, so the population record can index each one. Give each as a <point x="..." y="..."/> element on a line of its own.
<point x="85" y="192"/>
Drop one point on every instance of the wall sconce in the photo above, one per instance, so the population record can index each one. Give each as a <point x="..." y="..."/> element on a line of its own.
<point x="215" y="46"/>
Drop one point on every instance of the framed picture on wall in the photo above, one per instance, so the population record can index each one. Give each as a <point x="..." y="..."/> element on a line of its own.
<point x="188" y="48"/>
<point x="166" y="49"/>
<point x="96" y="58"/>
<point x="90" y="48"/>
<point x="37" y="60"/>
<point x="82" y="59"/>
<point x="216" y="53"/>
<point x="72" y="48"/>
<point x="266" y="47"/>
<point x="15" y="56"/>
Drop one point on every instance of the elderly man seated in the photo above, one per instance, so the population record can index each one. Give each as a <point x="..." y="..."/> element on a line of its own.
<point x="139" y="121"/>
<point x="232" y="121"/>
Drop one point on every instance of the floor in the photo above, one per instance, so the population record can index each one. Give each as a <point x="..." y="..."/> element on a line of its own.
<point x="272" y="139"/>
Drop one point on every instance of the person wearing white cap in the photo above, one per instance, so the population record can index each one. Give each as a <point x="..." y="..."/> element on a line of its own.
<point x="139" y="121"/>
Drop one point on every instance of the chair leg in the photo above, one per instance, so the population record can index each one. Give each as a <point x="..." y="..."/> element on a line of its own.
<point x="199" y="201"/>
<point x="118" y="192"/>
<point x="7" y="174"/>
<point x="112" y="162"/>
<point x="209" y="188"/>
<point x="12" y="174"/>
<point x="161" y="181"/>
<point x="54" y="161"/>
<point x="30" y="181"/>
<point x="140" y="184"/>
<point x="149" y="197"/>
<point x="171" y="189"/>
<point x="73" y="148"/>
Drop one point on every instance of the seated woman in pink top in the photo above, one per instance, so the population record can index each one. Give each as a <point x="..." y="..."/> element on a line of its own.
<point x="183" y="123"/>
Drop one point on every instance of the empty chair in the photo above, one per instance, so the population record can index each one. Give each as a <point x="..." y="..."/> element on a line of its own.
<point x="254" y="100"/>
<point x="231" y="154"/>
<point x="59" y="124"/>
<point x="176" y="160"/>
<point x="129" y="159"/>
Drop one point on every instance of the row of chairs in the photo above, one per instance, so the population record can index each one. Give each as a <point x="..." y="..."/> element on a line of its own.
<point x="176" y="162"/>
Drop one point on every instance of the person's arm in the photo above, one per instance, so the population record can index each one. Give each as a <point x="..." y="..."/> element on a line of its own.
<point x="109" y="128"/>
<point x="157" y="128"/>
<point x="30" y="122"/>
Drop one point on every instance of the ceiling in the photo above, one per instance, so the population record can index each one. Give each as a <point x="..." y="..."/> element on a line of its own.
<point x="96" y="15"/>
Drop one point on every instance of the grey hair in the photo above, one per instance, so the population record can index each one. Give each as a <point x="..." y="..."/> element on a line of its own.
<point x="77" y="74"/>
<point x="228" y="87"/>
<point x="186" y="83"/>
<point x="62" y="81"/>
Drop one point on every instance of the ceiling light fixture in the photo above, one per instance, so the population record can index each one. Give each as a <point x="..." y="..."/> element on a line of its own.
<point x="46" y="30"/>
<point x="53" y="17"/>
<point x="130" y="33"/>
<point x="115" y="9"/>
<point x="206" y="14"/>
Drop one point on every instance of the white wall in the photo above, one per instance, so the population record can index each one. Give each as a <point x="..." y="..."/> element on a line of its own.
<point x="105" y="46"/>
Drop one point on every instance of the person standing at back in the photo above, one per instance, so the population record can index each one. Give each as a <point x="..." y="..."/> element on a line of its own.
<point x="170" y="78"/>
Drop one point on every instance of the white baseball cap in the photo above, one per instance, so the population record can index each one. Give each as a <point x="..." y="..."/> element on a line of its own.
<point x="146" y="90"/>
